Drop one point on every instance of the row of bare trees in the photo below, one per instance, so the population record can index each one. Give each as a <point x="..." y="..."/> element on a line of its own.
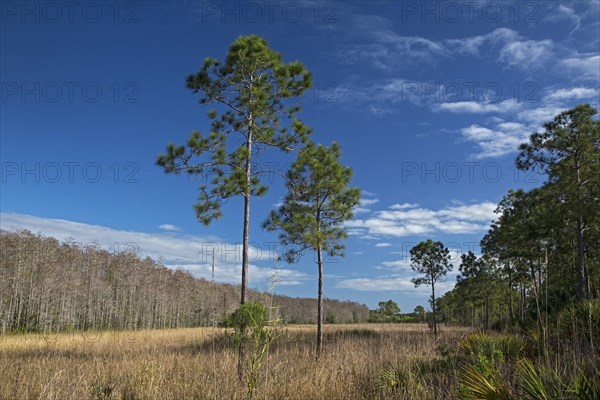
<point x="50" y="286"/>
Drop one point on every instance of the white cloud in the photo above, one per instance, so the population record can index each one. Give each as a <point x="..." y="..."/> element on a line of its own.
<point x="392" y="284"/>
<point x="565" y="12"/>
<point x="366" y="237"/>
<point x="474" y="44"/>
<point x="379" y="285"/>
<point x="572" y="93"/>
<point x="503" y="140"/>
<point x="366" y="193"/>
<point x="193" y="252"/>
<point x="363" y="207"/>
<point x="169" y="227"/>
<point x="456" y="250"/>
<point x="385" y="49"/>
<point x="512" y="48"/>
<point x="403" y="264"/>
<point x="536" y="117"/>
<point x="403" y="206"/>
<point x="527" y="54"/>
<point x="400" y="273"/>
<point x="475" y="107"/>
<point x="368" y="202"/>
<point x="586" y="65"/>
<point x="383" y="244"/>
<point x="500" y="137"/>
<point x="416" y="221"/>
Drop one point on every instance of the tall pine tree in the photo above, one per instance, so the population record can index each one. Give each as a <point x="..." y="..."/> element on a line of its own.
<point x="257" y="98"/>
<point x="317" y="204"/>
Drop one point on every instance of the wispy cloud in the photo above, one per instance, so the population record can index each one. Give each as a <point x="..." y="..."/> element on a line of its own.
<point x="403" y="264"/>
<point x="403" y="206"/>
<point x="564" y="11"/>
<point x="582" y="65"/>
<point x="527" y="54"/>
<point x="380" y="284"/>
<point x="366" y="201"/>
<point x="573" y="93"/>
<point x="383" y="244"/>
<point x="391" y="284"/>
<point x="511" y="48"/>
<point x="399" y="274"/>
<point x="385" y="49"/>
<point x="497" y="136"/>
<point x="366" y="193"/>
<point x="417" y="221"/>
<point x="169" y="227"/>
<point x="504" y="139"/>
<point x="474" y="107"/>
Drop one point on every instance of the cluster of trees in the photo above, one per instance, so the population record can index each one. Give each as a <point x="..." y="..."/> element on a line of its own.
<point x="50" y="286"/>
<point x="389" y="311"/>
<point x="256" y="96"/>
<point x="543" y="251"/>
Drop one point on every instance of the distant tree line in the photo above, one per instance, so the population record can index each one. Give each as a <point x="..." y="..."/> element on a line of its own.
<point x="47" y="286"/>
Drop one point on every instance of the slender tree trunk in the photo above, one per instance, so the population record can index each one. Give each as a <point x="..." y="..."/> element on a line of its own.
<point x="486" y="321"/>
<point x="511" y="311"/>
<point x="580" y="226"/>
<point x="245" y="239"/>
<point x="522" y="303"/>
<point x="435" y="333"/>
<point x="580" y="259"/>
<point x="246" y="234"/>
<point x="320" y="304"/>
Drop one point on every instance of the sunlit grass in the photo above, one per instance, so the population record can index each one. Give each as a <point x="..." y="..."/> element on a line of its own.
<point x="190" y="363"/>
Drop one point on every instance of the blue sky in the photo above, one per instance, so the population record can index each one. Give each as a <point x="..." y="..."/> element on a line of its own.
<point x="429" y="101"/>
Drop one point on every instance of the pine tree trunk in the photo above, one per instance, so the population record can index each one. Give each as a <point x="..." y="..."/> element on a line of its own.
<point x="246" y="234"/>
<point x="486" y="320"/>
<point x="433" y="309"/>
<point x="320" y="304"/>
<point x="245" y="239"/>
<point x="580" y="243"/>
<point x="511" y="311"/>
<point x="580" y="259"/>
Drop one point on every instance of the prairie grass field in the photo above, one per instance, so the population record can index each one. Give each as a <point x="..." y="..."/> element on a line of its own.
<point x="200" y="363"/>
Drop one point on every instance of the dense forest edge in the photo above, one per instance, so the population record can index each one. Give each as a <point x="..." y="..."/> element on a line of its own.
<point x="49" y="286"/>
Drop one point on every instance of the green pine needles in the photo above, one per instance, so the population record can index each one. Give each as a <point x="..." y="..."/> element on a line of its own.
<point x="255" y="94"/>
<point x="317" y="204"/>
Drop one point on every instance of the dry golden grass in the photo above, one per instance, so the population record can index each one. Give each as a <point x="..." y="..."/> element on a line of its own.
<point x="198" y="364"/>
